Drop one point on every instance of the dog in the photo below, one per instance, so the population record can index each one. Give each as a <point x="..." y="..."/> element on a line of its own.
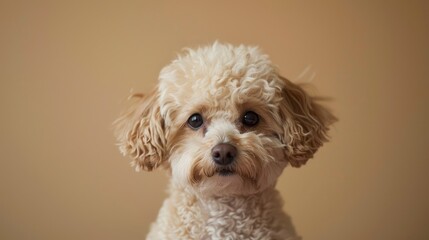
<point x="224" y="124"/>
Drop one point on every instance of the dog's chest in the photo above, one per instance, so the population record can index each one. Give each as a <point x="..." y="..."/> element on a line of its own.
<point x="186" y="216"/>
<point x="230" y="218"/>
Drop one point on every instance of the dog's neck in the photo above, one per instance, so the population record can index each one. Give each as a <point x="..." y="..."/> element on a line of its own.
<point x="218" y="201"/>
<point x="242" y="203"/>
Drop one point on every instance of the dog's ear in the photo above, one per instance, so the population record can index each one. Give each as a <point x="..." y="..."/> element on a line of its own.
<point x="305" y="123"/>
<point x="140" y="132"/>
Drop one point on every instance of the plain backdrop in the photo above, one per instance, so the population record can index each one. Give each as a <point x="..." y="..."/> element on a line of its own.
<point x="67" y="67"/>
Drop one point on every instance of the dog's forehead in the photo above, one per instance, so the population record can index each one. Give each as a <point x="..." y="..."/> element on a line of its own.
<point x="219" y="75"/>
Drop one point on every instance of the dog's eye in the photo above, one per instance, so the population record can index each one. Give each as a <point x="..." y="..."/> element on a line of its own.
<point x="250" y="119"/>
<point x="195" y="121"/>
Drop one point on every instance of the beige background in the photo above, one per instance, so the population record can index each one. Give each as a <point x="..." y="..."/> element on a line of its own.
<point x="66" y="69"/>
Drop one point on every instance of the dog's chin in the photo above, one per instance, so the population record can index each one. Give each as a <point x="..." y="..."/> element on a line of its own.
<point x="224" y="172"/>
<point x="226" y="181"/>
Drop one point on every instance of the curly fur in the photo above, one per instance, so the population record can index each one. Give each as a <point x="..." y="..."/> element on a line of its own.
<point x="221" y="82"/>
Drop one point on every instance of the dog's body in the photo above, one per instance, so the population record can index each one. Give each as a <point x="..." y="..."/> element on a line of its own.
<point x="225" y="124"/>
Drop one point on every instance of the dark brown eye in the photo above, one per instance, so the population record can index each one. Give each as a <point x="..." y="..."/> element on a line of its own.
<point x="250" y="119"/>
<point x="195" y="121"/>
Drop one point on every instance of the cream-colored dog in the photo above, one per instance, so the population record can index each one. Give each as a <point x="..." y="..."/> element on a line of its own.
<point x="225" y="124"/>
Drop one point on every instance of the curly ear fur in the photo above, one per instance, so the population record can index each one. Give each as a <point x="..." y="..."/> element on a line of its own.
<point x="140" y="132"/>
<point x="306" y="124"/>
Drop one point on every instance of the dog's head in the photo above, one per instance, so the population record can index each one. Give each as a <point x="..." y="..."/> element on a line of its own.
<point x="223" y="121"/>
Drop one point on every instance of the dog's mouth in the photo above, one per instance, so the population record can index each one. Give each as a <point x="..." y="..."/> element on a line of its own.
<point x="225" y="172"/>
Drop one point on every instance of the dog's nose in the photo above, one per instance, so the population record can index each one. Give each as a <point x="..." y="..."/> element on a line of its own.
<point x="224" y="153"/>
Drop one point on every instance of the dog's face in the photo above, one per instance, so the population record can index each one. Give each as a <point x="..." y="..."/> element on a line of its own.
<point x="224" y="122"/>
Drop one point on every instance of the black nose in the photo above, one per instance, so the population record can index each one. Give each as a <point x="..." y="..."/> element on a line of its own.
<point x="224" y="153"/>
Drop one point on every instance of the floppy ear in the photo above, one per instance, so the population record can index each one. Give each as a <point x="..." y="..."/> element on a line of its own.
<point x="306" y="123"/>
<point x="140" y="133"/>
